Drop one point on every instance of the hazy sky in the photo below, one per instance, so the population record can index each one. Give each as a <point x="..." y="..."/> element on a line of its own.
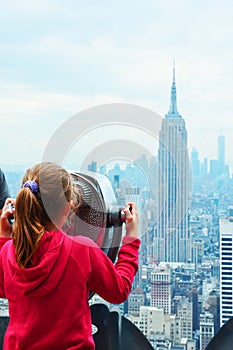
<point x="58" y="58"/>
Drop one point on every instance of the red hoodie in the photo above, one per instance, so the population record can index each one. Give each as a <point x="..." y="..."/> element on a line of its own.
<point x="48" y="303"/>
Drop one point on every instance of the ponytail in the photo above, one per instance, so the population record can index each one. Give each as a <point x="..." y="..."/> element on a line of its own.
<point x="28" y="229"/>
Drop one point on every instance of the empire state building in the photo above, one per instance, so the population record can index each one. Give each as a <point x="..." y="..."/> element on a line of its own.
<point x="172" y="241"/>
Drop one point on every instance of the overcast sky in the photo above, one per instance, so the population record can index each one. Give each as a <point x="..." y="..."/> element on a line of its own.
<point x="58" y="58"/>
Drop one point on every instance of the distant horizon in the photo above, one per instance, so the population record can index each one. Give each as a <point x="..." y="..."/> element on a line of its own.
<point x="75" y="166"/>
<point x="83" y="55"/>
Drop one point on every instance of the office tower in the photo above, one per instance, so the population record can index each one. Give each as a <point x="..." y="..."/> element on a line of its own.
<point x="135" y="300"/>
<point x="172" y="243"/>
<point x="161" y="288"/>
<point x="103" y="169"/>
<point x="213" y="302"/>
<point x="197" y="251"/>
<point x="153" y="177"/>
<point x="221" y="154"/>
<point x="195" y="162"/>
<point x="142" y="163"/>
<point x="92" y="166"/>
<point x="150" y="321"/>
<point x="204" y="168"/>
<point x="134" y="194"/>
<point x="194" y="296"/>
<point x="214" y="170"/>
<point x="185" y="312"/>
<point x="195" y="171"/>
<point x="226" y="262"/>
<point x="172" y="328"/>
<point x="206" y="329"/>
<point x="116" y="186"/>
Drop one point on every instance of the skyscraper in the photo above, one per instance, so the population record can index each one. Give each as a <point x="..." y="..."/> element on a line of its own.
<point x="226" y="260"/>
<point x="172" y="243"/>
<point x="161" y="291"/>
<point x="221" y="154"/>
<point x="206" y="329"/>
<point x="185" y="313"/>
<point x="195" y="162"/>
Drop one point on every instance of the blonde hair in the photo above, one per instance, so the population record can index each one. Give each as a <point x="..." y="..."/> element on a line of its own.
<point x="37" y="211"/>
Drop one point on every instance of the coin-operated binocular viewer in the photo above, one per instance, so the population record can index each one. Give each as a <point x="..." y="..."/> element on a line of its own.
<point x="100" y="218"/>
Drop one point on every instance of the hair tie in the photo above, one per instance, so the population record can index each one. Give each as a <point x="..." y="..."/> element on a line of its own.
<point x="32" y="185"/>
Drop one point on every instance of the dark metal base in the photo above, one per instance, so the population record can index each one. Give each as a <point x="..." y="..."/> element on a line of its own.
<point x="115" y="332"/>
<point x="223" y="340"/>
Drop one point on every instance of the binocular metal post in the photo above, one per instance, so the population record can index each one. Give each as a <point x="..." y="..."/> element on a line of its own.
<point x="115" y="332"/>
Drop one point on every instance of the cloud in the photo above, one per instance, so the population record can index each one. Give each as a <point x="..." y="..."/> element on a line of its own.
<point x="29" y="118"/>
<point x="57" y="59"/>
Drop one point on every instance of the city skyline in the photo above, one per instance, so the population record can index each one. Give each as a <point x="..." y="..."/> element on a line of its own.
<point x="82" y="55"/>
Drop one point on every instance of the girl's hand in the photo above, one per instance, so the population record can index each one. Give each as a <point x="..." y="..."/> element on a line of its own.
<point x="131" y="219"/>
<point x="5" y="226"/>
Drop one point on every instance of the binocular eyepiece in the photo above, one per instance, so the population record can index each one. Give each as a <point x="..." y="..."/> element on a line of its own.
<point x="116" y="217"/>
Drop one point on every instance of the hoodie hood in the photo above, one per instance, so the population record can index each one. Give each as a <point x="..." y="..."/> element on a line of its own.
<point x="49" y="263"/>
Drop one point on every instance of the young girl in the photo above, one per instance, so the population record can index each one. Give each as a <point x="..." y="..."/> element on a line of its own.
<point x="46" y="275"/>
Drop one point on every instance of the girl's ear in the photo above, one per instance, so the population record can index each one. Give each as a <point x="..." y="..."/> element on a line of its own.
<point x="64" y="213"/>
<point x="66" y="210"/>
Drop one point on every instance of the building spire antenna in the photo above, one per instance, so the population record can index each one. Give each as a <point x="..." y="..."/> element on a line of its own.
<point x="173" y="105"/>
<point x="174" y="71"/>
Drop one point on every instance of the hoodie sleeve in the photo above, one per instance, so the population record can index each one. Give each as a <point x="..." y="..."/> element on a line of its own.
<point x="2" y="290"/>
<point x="114" y="282"/>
